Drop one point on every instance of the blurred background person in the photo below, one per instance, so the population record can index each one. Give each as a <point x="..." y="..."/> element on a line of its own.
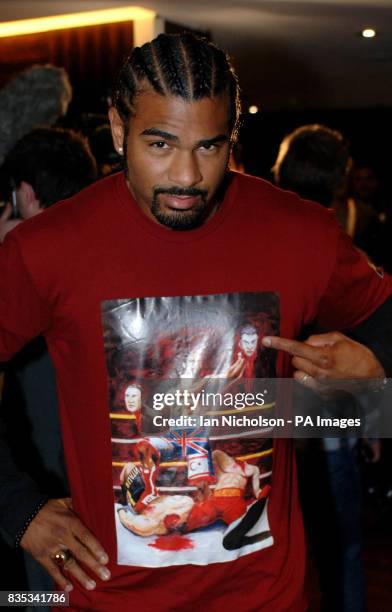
<point x="369" y="196"/>
<point x="314" y="161"/>
<point x="106" y="156"/>
<point x="37" y="96"/>
<point x="366" y="187"/>
<point x="47" y="165"/>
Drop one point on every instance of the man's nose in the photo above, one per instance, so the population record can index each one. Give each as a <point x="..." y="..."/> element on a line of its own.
<point x="184" y="169"/>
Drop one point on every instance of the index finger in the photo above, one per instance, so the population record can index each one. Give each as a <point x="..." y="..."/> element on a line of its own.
<point x="299" y="349"/>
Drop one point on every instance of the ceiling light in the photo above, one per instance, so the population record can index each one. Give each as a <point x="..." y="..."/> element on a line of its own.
<point x="368" y="33"/>
<point x="253" y="109"/>
<point x="72" y="20"/>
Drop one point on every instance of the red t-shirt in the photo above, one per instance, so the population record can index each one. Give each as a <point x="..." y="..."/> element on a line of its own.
<point x="270" y="260"/>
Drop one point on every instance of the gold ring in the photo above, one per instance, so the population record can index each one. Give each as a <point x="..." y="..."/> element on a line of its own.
<point x="61" y="557"/>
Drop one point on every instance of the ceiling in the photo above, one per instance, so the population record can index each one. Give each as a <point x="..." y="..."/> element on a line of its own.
<point x="288" y="53"/>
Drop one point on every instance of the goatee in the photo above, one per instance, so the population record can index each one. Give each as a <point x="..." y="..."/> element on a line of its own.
<point x="179" y="219"/>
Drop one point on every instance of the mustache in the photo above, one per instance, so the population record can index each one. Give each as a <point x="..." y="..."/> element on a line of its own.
<point x="181" y="191"/>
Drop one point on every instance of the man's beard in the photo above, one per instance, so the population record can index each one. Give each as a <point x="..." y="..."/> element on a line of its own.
<point x="181" y="219"/>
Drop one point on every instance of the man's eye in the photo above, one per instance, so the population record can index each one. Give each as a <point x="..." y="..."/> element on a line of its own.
<point x="159" y="144"/>
<point x="209" y="148"/>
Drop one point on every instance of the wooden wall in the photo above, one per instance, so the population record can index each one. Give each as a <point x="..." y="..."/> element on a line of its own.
<point x="91" y="55"/>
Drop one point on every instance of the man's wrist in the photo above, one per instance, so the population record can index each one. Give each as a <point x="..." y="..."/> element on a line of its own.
<point x="20" y="503"/>
<point x="29" y="519"/>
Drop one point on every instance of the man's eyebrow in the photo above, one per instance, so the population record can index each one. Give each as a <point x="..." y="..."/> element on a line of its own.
<point x="159" y="134"/>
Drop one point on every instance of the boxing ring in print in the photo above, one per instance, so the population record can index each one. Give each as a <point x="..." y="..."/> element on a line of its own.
<point x="188" y="495"/>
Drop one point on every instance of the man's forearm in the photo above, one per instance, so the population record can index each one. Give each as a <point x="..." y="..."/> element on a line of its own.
<point x="20" y="499"/>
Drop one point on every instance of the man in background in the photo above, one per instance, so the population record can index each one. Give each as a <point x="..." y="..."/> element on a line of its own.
<point x="39" y="95"/>
<point x="47" y="165"/>
<point x="314" y="161"/>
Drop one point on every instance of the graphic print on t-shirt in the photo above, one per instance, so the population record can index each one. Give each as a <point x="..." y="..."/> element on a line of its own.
<point x="191" y="494"/>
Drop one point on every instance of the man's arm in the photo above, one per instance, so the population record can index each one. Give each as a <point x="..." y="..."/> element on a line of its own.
<point x="330" y="356"/>
<point x="20" y="499"/>
<point x="42" y="527"/>
<point x="366" y="354"/>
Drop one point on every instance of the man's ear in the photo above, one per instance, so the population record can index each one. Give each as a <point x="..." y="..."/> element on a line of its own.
<point x="29" y="205"/>
<point x="117" y="128"/>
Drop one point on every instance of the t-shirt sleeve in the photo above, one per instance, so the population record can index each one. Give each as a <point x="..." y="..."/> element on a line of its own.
<point x="354" y="291"/>
<point x="23" y="313"/>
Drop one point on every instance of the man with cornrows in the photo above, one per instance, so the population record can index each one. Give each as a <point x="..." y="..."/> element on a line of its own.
<point x="137" y="268"/>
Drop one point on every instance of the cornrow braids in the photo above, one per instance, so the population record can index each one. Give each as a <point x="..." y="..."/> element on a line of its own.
<point x="199" y="60"/>
<point x="144" y="65"/>
<point x="181" y="65"/>
<point x="125" y="92"/>
<point x="172" y="67"/>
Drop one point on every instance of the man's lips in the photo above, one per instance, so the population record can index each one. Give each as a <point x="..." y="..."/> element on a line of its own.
<point x="179" y="202"/>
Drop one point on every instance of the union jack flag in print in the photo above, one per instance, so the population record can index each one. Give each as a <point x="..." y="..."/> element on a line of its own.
<point x="191" y="441"/>
<point x="194" y="447"/>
